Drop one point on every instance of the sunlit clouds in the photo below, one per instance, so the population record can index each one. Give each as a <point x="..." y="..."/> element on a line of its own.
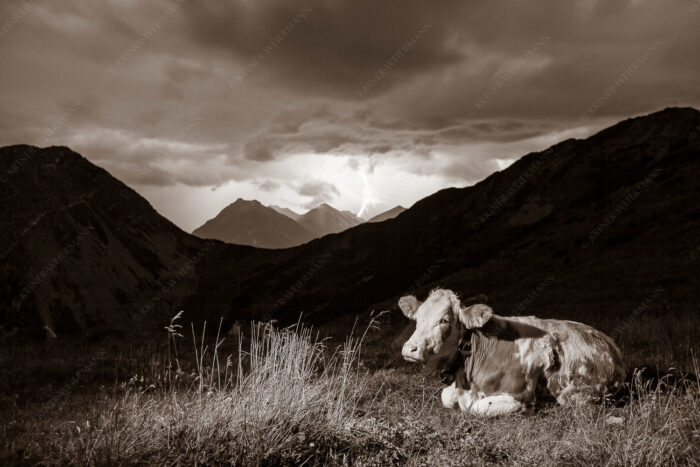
<point x="195" y="104"/>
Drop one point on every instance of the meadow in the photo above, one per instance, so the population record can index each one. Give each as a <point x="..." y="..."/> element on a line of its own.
<point x="291" y="396"/>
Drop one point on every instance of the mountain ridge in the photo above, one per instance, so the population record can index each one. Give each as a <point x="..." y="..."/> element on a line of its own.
<point x="324" y="219"/>
<point x="251" y="223"/>
<point x="517" y="241"/>
<point x="579" y="213"/>
<point x="388" y="214"/>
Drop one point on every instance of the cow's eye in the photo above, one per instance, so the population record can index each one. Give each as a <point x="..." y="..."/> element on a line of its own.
<point x="445" y="320"/>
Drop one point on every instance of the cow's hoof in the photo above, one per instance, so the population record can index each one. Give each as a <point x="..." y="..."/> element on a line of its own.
<point x="449" y="396"/>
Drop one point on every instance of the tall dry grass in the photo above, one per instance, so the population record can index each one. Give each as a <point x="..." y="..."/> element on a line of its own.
<point x="284" y="397"/>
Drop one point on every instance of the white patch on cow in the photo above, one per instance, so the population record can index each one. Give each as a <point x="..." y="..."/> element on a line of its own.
<point x="449" y="396"/>
<point x="466" y="399"/>
<point x="496" y="405"/>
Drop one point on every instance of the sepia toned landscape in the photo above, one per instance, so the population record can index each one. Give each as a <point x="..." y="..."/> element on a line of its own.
<point x="349" y="234"/>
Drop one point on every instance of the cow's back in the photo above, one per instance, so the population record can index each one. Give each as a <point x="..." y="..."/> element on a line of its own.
<point x="589" y="362"/>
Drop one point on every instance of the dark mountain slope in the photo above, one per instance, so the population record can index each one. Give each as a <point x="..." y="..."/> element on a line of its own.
<point x="250" y="223"/>
<point x="390" y="214"/>
<point x="596" y="223"/>
<point x="82" y="252"/>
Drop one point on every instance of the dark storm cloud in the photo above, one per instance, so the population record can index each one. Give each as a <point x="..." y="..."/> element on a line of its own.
<point x="336" y="48"/>
<point x="446" y="89"/>
<point x="260" y="150"/>
<point x="319" y="192"/>
<point x="348" y="136"/>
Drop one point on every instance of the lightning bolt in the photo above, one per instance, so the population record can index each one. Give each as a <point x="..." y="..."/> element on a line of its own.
<point x="366" y="195"/>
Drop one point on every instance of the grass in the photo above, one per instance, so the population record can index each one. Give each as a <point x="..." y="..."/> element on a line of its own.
<point x="285" y="396"/>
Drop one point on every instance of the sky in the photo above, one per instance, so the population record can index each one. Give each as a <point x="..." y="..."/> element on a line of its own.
<point x="363" y="104"/>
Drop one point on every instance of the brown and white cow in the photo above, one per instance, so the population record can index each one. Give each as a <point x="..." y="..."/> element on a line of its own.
<point x="502" y="364"/>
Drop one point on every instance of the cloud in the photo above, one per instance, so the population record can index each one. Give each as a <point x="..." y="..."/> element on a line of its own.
<point x="269" y="185"/>
<point x="330" y="87"/>
<point x="335" y="48"/>
<point x="259" y="150"/>
<point x="319" y="192"/>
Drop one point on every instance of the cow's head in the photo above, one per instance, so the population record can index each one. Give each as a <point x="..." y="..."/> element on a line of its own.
<point x="440" y="323"/>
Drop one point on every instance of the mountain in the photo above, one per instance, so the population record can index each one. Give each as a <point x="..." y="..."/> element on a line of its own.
<point x="597" y="224"/>
<point x="250" y="223"/>
<point x="325" y="219"/>
<point x="287" y="212"/>
<point x="386" y="215"/>
<point x="81" y="251"/>
<point x="594" y="224"/>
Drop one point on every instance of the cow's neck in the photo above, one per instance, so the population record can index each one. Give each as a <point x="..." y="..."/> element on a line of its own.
<point x="487" y="350"/>
<point x="454" y="369"/>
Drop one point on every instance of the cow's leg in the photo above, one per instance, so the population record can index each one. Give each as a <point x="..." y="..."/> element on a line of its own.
<point x="575" y="395"/>
<point x="453" y="395"/>
<point x="497" y="405"/>
<point x="466" y="399"/>
<point x="449" y="396"/>
<point x="573" y="388"/>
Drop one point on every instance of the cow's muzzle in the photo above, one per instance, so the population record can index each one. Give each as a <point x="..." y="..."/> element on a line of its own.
<point x="412" y="352"/>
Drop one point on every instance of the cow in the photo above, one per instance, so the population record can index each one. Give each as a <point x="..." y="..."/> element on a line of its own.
<point x="503" y="364"/>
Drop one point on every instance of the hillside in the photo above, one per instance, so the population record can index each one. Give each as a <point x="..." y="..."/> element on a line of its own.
<point x="325" y="219"/>
<point x="601" y="225"/>
<point x="594" y="225"/>
<point x="287" y="212"/>
<point x="386" y="215"/>
<point x="80" y="250"/>
<point x="82" y="253"/>
<point x="250" y="223"/>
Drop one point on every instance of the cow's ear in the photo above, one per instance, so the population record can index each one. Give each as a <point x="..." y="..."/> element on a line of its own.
<point x="481" y="298"/>
<point x="475" y="316"/>
<point x="409" y="304"/>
